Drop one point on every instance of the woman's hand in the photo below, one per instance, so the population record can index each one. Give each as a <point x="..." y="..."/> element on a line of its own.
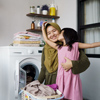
<point x="67" y="65"/>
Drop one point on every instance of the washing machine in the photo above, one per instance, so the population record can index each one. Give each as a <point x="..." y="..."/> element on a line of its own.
<point x="18" y="67"/>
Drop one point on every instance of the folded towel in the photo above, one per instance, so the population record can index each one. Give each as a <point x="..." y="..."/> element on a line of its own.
<point x="27" y="33"/>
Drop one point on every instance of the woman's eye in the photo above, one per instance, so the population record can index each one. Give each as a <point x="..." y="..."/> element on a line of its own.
<point x="48" y="33"/>
<point x="54" y="30"/>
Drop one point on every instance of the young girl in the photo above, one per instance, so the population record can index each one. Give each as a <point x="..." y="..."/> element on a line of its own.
<point x="68" y="83"/>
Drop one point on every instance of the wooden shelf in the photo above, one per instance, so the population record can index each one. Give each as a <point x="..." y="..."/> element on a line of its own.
<point x="41" y="15"/>
<point x="34" y="30"/>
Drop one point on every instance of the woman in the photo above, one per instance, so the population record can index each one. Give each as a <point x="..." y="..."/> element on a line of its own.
<point x="50" y="58"/>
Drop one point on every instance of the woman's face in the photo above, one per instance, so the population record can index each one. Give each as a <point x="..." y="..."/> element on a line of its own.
<point x="52" y="33"/>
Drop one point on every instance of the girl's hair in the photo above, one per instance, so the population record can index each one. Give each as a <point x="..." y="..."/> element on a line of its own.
<point x="70" y="36"/>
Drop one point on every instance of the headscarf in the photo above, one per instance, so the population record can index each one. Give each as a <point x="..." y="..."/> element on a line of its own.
<point x="51" y="54"/>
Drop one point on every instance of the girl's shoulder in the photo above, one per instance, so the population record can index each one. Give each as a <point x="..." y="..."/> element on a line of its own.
<point x="63" y="48"/>
<point x="75" y="43"/>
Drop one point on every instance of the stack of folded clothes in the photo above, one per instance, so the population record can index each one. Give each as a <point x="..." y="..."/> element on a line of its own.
<point x="26" y="39"/>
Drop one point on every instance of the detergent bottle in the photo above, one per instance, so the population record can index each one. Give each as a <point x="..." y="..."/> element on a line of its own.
<point x="52" y="10"/>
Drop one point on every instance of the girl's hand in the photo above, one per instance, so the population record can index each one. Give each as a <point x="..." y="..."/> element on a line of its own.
<point x="43" y="32"/>
<point x="67" y="65"/>
<point x="43" y="25"/>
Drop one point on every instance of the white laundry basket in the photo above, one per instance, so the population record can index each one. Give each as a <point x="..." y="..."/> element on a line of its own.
<point x="27" y="96"/>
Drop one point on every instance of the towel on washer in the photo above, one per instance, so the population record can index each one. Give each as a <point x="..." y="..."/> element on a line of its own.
<point x="38" y="89"/>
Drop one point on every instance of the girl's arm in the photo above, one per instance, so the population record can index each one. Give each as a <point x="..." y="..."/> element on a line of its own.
<point x="86" y="45"/>
<point x="52" y="44"/>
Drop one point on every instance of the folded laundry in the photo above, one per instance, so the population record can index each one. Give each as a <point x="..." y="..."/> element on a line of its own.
<point x="26" y="45"/>
<point x="38" y="89"/>
<point x="28" y="33"/>
<point x="25" y="38"/>
<point x="26" y="42"/>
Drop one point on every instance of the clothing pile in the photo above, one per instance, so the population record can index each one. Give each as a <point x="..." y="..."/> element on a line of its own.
<point x="38" y="89"/>
<point x="25" y="38"/>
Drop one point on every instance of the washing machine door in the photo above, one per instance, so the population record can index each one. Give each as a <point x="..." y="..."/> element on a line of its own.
<point x="22" y="79"/>
<point x="32" y="67"/>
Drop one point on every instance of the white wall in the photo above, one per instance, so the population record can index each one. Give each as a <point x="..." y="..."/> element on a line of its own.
<point x="67" y="10"/>
<point x="91" y="80"/>
<point x="13" y="17"/>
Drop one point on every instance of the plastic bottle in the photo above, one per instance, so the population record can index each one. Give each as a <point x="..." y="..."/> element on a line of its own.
<point x="53" y="20"/>
<point x="52" y="10"/>
<point x="38" y="9"/>
<point x="32" y="25"/>
<point x="38" y="25"/>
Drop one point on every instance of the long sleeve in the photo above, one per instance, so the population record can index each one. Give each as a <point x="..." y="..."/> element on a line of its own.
<point x="81" y="65"/>
<point x="41" y="77"/>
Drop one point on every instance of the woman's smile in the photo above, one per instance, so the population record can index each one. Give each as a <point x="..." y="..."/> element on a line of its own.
<point x="53" y="37"/>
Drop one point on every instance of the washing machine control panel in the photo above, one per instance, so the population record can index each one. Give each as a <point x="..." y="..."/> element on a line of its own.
<point x="34" y="51"/>
<point x="30" y="52"/>
<point x="26" y="51"/>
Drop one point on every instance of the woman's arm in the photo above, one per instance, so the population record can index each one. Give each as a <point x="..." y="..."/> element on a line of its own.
<point x="41" y="77"/>
<point x="87" y="45"/>
<point x="81" y="65"/>
<point x="52" y="44"/>
<point x="77" y="66"/>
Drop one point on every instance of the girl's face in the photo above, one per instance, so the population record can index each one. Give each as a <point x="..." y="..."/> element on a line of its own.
<point x="61" y="37"/>
<point x="52" y="33"/>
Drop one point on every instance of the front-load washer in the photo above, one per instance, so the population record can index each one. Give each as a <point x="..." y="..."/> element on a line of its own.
<point x="18" y="67"/>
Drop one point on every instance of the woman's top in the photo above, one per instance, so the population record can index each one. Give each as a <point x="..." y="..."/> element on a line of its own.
<point x="78" y="67"/>
<point x="51" y="58"/>
<point x="44" y="75"/>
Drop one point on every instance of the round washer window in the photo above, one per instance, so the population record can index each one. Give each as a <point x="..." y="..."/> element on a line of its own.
<point x="31" y="68"/>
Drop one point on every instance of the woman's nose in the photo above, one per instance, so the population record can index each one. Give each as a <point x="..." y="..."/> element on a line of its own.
<point x="52" y="33"/>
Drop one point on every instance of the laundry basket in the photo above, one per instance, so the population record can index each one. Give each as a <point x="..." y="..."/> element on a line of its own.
<point x="27" y="96"/>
